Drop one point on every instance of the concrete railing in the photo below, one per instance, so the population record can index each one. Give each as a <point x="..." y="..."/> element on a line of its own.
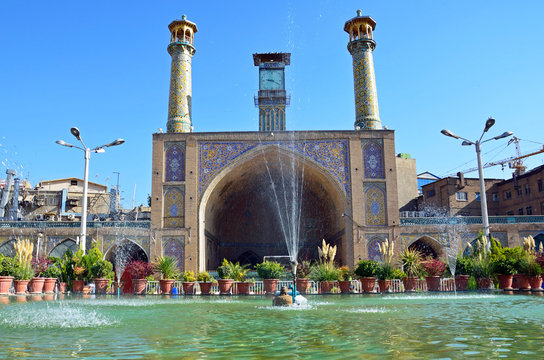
<point x="74" y="224"/>
<point x="527" y="219"/>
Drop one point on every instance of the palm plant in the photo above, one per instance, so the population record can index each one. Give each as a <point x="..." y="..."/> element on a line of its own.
<point x="168" y="267"/>
<point x="410" y="261"/>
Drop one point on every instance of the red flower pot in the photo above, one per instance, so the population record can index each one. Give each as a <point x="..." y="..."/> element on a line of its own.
<point x="535" y="282"/>
<point x="77" y="286"/>
<point x="225" y="286"/>
<point x="461" y="282"/>
<point x="384" y="285"/>
<point x="20" y="286"/>
<point x="101" y="285"/>
<point x="49" y="285"/>
<point x="62" y="287"/>
<point x="205" y="288"/>
<point x="5" y="284"/>
<point x="139" y="286"/>
<point x="166" y="285"/>
<point x="303" y="285"/>
<point x="505" y="281"/>
<point x="410" y="283"/>
<point x="521" y="282"/>
<point x="344" y="286"/>
<point x="484" y="284"/>
<point x="433" y="283"/>
<point x="36" y="285"/>
<point x="243" y="288"/>
<point x="270" y="286"/>
<point x="367" y="284"/>
<point x="326" y="286"/>
<point x="188" y="287"/>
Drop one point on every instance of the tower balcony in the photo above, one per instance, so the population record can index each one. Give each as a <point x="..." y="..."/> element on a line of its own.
<point x="272" y="97"/>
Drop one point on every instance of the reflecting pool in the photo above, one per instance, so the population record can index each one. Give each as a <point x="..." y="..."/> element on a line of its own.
<point x="469" y="325"/>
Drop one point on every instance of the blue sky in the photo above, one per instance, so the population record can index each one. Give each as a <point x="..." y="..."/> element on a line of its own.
<point x="103" y="66"/>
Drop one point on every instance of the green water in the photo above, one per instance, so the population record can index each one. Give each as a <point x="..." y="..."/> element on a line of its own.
<point x="339" y="327"/>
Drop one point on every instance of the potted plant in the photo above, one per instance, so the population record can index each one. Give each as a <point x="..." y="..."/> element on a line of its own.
<point x="344" y="273"/>
<point x="188" y="282"/>
<point x="504" y="265"/>
<point x="138" y="271"/>
<point x="78" y="270"/>
<point x="384" y="274"/>
<point x="239" y="275"/>
<point x="167" y="266"/>
<point x="225" y="277"/>
<point x="326" y="274"/>
<point x="303" y="270"/>
<point x="205" y="282"/>
<point x="533" y="271"/>
<point x="40" y="265"/>
<point x="102" y="272"/>
<point x="433" y="268"/>
<point x="8" y="269"/>
<point x="366" y="270"/>
<point x="52" y="273"/>
<point x="463" y="270"/>
<point x="269" y="272"/>
<point x="24" y="271"/>
<point x="410" y="261"/>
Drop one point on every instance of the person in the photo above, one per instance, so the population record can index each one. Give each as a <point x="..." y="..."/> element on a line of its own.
<point x="283" y="299"/>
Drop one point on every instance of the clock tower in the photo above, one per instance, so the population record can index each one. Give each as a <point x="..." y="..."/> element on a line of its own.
<point x="272" y="98"/>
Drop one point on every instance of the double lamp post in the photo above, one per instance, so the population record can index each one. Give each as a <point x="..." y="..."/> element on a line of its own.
<point x="87" y="151"/>
<point x="478" y="145"/>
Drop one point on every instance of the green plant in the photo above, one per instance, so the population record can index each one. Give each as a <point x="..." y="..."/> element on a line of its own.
<point x="102" y="269"/>
<point x="8" y="266"/>
<point x="324" y="272"/>
<point x="150" y="278"/>
<point x="203" y="277"/>
<point x="532" y="267"/>
<point x="366" y="268"/>
<point x="463" y="265"/>
<point x="23" y="253"/>
<point x="225" y="270"/>
<point x="344" y="273"/>
<point x="410" y="261"/>
<point x="239" y="271"/>
<point x="269" y="270"/>
<point x="303" y="269"/>
<point x="336" y="290"/>
<point x="167" y="266"/>
<point x="53" y="271"/>
<point x="189" y="276"/>
<point x="398" y="274"/>
<point x="67" y="268"/>
<point x="483" y="268"/>
<point x="385" y="272"/>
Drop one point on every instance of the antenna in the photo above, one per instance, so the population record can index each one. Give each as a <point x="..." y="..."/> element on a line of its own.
<point x="133" y="196"/>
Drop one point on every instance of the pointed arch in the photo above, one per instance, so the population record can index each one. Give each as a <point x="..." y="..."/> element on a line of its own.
<point x="8" y="248"/>
<point x="63" y="247"/>
<point x="428" y="247"/>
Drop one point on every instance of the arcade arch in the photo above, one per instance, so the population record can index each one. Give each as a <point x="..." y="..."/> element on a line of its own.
<point x="428" y="247"/>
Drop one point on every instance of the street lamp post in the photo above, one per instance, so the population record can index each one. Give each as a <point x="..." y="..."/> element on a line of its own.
<point x="478" y="145"/>
<point x="87" y="151"/>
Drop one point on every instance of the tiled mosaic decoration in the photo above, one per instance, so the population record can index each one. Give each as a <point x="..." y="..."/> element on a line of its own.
<point x="373" y="159"/>
<point x="375" y="209"/>
<point x="330" y="154"/>
<point x="175" y="162"/>
<point x="179" y="104"/>
<point x="175" y="247"/>
<point x="174" y="200"/>
<point x="374" y="252"/>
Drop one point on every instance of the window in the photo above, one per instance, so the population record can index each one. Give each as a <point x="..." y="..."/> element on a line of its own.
<point x="495" y="196"/>
<point x="527" y="189"/>
<point x="542" y="208"/>
<point x="507" y="195"/>
<point x="540" y="186"/>
<point x="461" y="196"/>
<point x="431" y="193"/>
<point x="520" y="211"/>
<point x="529" y="210"/>
<point x="477" y="196"/>
<point x="519" y="191"/>
<point x="73" y="182"/>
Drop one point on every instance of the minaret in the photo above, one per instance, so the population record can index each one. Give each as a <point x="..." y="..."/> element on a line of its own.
<point x="182" y="50"/>
<point x="360" y="46"/>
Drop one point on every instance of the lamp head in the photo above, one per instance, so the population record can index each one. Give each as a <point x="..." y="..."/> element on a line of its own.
<point x="449" y="133"/>
<point x="489" y="123"/>
<point x="75" y="132"/>
<point x="63" y="143"/>
<point x="467" y="143"/>
<point x="503" y="135"/>
<point x="115" y="143"/>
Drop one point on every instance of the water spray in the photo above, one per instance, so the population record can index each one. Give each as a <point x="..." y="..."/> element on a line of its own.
<point x="294" y="264"/>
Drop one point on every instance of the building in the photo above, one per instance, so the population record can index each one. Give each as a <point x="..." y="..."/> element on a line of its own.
<point x="521" y="195"/>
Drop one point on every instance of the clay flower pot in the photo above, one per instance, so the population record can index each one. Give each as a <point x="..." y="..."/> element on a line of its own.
<point x="270" y="286"/>
<point x="484" y="283"/>
<point x="535" y="282"/>
<point x="521" y="282"/>
<point x="433" y="283"/>
<point x="49" y="285"/>
<point x="384" y="285"/>
<point x="139" y="286"/>
<point x="205" y="287"/>
<point x="461" y="282"/>
<point x="243" y="288"/>
<point x="367" y="284"/>
<point x="101" y="285"/>
<point x="77" y="286"/>
<point x="505" y="281"/>
<point x="62" y="287"/>
<point x="36" y="285"/>
<point x="188" y="287"/>
<point x="410" y="283"/>
<point x="326" y="286"/>
<point x="225" y="286"/>
<point x="344" y="286"/>
<point x="166" y="285"/>
<point x="5" y="284"/>
<point x="20" y="286"/>
<point x="302" y="285"/>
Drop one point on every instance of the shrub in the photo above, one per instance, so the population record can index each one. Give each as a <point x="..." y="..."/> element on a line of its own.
<point x="8" y="266"/>
<point x="269" y="270"/>
<point x="167" y="266"/>
<point x="411" y="262"/>
<point x="224" y="271"/>
<point x="102" y="269"/>
<point x="324" y="272"/>
<point x="139" y="269"/>
<point x="433" y="267"/>
<point x="398" y="274"/>
<point x="532" y="267"/>
<point x="385" y="272"/>
<point x="203" y="277"/>
<point x="238" y="271"/>
<point x="53" y="271"/>
<point x="482" y="269"/>
<point x="189" y="276"/>
<point x="463" y="266"/>
<point x="366" y="268"/>
<point x="303" y="269"/>
<point x="40" y="265"/>
<point x="344" y="273"/>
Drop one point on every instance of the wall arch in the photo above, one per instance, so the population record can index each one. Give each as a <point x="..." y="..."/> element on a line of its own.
<point x="63" y="247"/>
<point x="428" y="247"/>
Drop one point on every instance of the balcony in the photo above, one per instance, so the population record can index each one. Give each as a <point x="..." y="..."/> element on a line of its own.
<point x="527" y="219"/>
<point x="74" y="224"/>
